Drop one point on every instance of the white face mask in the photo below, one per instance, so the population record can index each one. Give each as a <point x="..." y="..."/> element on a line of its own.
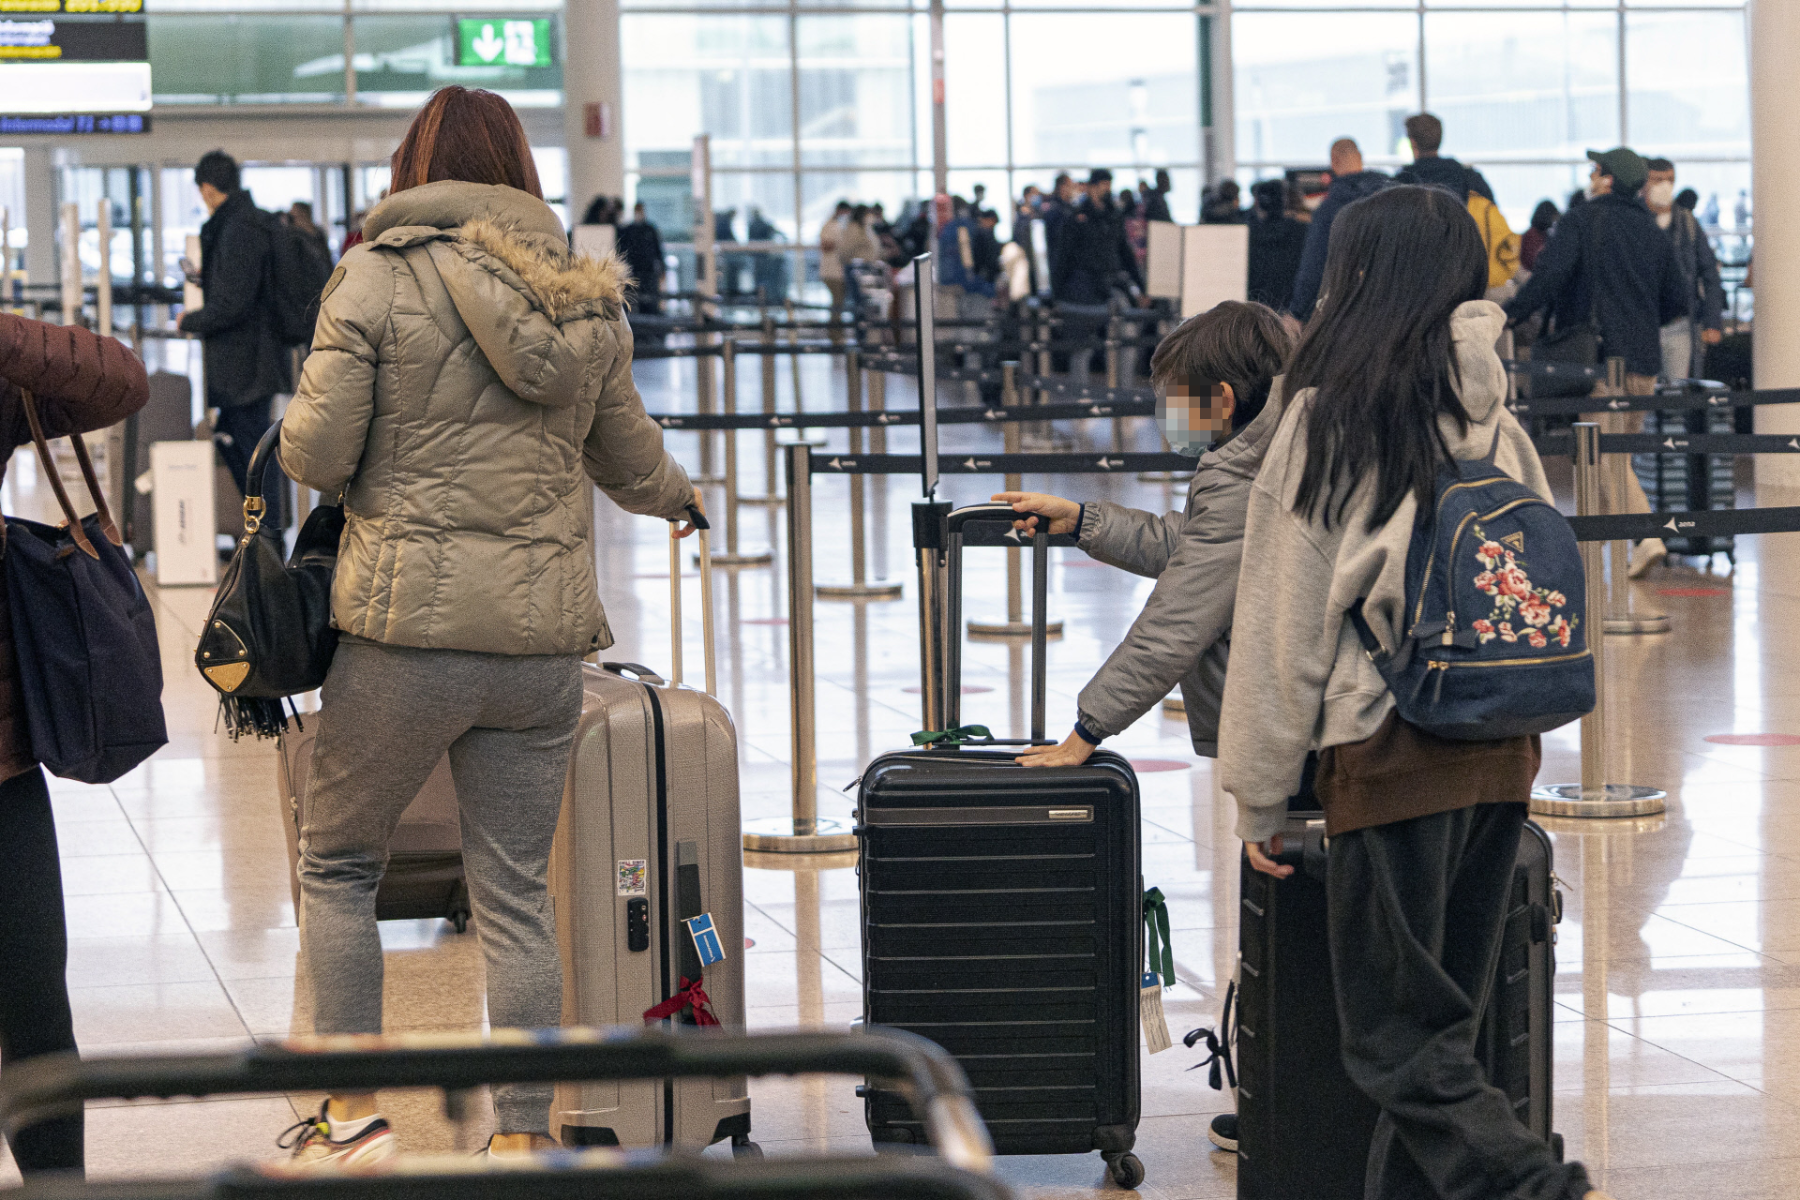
<point x="1660" y="194"/>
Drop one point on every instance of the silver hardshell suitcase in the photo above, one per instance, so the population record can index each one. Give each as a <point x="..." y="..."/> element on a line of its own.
<point x="649" y="838"/>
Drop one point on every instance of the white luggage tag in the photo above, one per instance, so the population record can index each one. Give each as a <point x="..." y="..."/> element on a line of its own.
<point x="706" y="939"/>
<point x="1161" y="955"/>
<point x="1150" y="1014"/>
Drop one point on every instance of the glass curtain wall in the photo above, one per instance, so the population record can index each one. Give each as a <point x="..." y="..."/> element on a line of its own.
<point x="809" y="103"/>
<point x="1524" y="88"/>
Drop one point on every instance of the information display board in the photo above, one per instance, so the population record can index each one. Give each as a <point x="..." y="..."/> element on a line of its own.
<point x="74" y="67"/>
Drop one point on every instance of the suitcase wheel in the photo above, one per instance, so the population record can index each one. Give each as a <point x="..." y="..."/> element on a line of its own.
<point x="1127" y="1170"/>
<point x="459" y="918"/>
<point x="743" y="1147"/>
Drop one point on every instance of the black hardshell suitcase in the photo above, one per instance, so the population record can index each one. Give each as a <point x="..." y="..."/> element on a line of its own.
<point x="1289" y="1067"/>
<point x="1002" y="919"/>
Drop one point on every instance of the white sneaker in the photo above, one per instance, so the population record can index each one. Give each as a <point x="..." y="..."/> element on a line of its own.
<point x="1647" y="554"/>
<point x="313" y="1146"/>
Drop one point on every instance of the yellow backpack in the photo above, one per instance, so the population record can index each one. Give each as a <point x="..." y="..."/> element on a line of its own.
<point x="1501" y="242"/>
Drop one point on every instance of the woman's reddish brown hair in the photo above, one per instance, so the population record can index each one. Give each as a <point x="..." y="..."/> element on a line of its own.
<point x="466" y="134"/>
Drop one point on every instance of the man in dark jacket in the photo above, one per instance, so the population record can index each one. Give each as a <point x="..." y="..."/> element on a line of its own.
<point x="246" y="362"/>
<point x="1349" y="183"/>
<point x="1096" y="254"/>
<point x="1431" y="169"/>
<point x="640" y="245"/>
<point x="1055" y="214"/>
<point x="1608" y="263"/>
<point x="1276" y="242"/>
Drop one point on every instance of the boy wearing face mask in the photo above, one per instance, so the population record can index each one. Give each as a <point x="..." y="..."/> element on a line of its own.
<point x="1699" y="270"/>
<point x="1219" y="401"/>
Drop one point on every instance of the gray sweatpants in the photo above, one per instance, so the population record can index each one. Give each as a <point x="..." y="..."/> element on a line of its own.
<point x="388" y="714"/>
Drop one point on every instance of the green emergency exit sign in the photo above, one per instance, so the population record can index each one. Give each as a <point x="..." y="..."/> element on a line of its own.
<point x="496" y="42"/>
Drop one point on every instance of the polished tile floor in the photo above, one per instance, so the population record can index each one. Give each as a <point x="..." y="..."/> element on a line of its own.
<point x="1679" y="980"/>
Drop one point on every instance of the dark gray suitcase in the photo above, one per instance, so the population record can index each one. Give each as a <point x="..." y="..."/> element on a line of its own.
<point x="1288" y="1064"/>
<point x="1002" y="918"/>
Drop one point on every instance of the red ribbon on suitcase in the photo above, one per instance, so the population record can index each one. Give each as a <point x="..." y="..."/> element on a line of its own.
<point x="690" y="993"/>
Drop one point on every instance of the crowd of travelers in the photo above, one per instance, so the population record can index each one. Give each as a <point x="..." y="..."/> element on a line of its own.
<point x="462" y="325"/>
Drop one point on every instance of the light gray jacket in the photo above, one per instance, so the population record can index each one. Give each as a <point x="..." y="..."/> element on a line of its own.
<point x="1184" y="633"/>
<point x="468" y="377"/>
<point x="1299" y="678"/>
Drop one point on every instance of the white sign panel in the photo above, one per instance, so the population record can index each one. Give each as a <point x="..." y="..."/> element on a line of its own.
<point x="191" y="296"/>
<point x="181" y="482"/>
<point x="595" y="241"/>
<point x="1215" y="266"/>
<point x="1163" y="264"/>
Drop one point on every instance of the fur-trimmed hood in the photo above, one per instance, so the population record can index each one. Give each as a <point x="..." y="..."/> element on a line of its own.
<point x="511" y="234"/>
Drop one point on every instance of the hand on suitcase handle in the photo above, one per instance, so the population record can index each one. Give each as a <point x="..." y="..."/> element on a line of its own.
<point x="696" y="518"/>
<point x="1059" y="516"/>
<point x="1263" y="855"/>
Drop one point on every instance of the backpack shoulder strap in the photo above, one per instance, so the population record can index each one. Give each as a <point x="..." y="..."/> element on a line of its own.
<point x="1370" y="643"/>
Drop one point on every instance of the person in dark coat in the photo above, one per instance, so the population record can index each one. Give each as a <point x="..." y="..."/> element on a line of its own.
<point x="1156" y="199"/>
<point x="1349" y="183"/>
<point x="1608" y="262"/>
<point x="1543" y="220"/>
<point x="1057" y="210"/>
<point x="1096" y="254"/>
<point x="81" y="381"/>
<point x="1608" y="257"/>
<point x="246" y="362"/>
<point x="1431" y="169"/>
<point x="1276" y="242"/>
<point x="640" y="245"/>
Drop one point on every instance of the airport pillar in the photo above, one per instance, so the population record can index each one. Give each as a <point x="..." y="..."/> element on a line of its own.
<point x="593" y="100"/>
<point x="1775" y="165"/>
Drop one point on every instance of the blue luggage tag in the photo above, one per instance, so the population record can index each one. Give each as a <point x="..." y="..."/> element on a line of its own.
<point x="706" y="939"/>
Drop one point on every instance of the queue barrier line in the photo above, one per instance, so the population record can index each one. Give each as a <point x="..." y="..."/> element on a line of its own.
<point x="1570" y="406"/>
<point x="1677" y="443"/>
<point x="984" y="415"/>
<point x="1000" y="464"/>
<point x="1722" y="522"/>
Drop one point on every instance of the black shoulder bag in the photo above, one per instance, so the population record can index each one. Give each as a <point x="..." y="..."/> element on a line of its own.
<point x="1579" y="344"/>
<point x="269" y="635"/>
<point x="90" y="671"/>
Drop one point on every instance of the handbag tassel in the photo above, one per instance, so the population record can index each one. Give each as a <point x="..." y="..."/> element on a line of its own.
<point x="258" y="718"/>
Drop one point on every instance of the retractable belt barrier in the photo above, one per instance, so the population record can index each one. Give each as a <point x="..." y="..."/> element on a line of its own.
<point x="1677" y="443"/>
<point x="1001" y="464"/>
<point x="985" y="415"/>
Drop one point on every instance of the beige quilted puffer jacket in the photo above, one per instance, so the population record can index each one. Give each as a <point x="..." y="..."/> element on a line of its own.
<point x="468" y="377"/>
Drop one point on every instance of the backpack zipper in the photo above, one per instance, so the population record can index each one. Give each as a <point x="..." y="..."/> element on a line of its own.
<point x="1431" y="559"/>
<point x="1438" y="664"/>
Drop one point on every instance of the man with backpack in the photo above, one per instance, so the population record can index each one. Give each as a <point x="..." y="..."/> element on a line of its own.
<point x="259" y="283"/>
<point x="1432" y="169"/>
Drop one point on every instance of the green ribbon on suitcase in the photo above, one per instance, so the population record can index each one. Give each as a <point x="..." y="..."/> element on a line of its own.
<point x="1158" y="948"/>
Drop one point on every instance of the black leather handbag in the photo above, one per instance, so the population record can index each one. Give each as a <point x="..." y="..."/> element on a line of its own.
<point x="269" y="635"/>
<point x="1579" y="344"/>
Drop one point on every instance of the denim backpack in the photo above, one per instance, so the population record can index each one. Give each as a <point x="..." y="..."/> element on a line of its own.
<point x="1495" y="643"/>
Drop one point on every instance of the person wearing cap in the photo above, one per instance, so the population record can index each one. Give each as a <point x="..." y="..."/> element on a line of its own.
<point x="1609" y="265"/>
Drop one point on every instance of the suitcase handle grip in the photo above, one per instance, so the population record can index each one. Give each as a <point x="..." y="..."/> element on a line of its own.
<point x="634" y="670"/>
<point x="955" y="523"/>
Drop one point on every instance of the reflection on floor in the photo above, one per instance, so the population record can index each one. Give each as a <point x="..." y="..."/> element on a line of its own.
<point x="1679" y="988"/>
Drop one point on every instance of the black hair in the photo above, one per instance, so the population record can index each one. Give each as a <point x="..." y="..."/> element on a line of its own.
<point x="1237" y="342"/>
<point x="1271" y="196"/>
<point x="1658" y="164"/>
<point x="1544" y="215"/>
<point x="219" y="169"/>
<point x="1378" y="350"/>
<point x="1687" y="198"/>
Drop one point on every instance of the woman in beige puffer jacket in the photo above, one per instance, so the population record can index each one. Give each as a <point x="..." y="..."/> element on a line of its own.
<point x="468" y="377"/>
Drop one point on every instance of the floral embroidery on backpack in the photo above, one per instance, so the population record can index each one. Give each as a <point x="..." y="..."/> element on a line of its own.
<point x="1503" y="577"/>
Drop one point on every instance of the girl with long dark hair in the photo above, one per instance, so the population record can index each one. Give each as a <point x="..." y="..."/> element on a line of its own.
<point x="1395" y="377"/>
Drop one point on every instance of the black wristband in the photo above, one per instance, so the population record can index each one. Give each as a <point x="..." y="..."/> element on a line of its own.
<point x="1087" y="735"/>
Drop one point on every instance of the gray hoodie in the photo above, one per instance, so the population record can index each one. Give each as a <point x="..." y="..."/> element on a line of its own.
<point x="1184" y="633"/>
<point x="1299" y="678"/>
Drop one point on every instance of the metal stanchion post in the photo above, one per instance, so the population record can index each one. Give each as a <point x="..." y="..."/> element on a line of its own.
<point x="1593" y="796"/>
<point x="859" y="588"/>
<point x="804" y="832"/>
<point x="877" y="403"/>
<point x="1015" y="625"/>
<point x="705" y="382"/>
<point x="771" y="488"/>
<point x="1112" y="380"/>
<point x="733" y="556"/>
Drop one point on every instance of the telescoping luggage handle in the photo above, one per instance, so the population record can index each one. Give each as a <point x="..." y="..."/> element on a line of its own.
<point x="923" y="1073"/>
<point x="991" y="524"/>
<point x="704" y="527"/>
